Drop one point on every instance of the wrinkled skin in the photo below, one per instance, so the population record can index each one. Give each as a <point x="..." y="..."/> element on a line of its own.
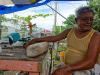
<point x="82" y="25"/>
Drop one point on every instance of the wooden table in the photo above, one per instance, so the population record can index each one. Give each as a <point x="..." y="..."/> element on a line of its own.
<point x="16" y="59"/>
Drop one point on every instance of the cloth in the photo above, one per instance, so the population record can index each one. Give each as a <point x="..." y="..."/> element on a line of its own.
<point x="81" y="72"/>
<point x="76" y="48"/>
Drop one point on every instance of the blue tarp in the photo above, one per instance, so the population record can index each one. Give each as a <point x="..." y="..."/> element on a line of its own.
<point x="19" y="7"/>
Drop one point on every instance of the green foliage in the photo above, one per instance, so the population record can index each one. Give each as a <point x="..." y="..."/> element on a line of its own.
<point x="19" y="21"/>
<point x="72" y="19"/>
<point x="53" y="54"/>
<point x="61" y="49"/>
<point x="59" y="29"/>
<point x="3" y="35"/>
<point x="26" y="20"/>
<point x="67" y="24"/>
<point x="57" y="58"/>
<point x="54" y="64"/>
<point x="54" y="57"/>
<point x="4" y="28"/>
<point x="0" y="71"/>
<point x="95" y="4"/>
<point x="2" y="19"/>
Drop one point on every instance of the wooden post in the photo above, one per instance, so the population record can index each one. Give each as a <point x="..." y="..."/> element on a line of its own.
<point x="55" y="15"/>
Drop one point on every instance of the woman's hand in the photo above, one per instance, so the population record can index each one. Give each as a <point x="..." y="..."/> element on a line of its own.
<point x="60" y="71"/>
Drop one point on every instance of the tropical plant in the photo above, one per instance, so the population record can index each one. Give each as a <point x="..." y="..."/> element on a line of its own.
<point x="95" y="4"/>
<point x="20" y="21"/>
<point x="72" y="19"/>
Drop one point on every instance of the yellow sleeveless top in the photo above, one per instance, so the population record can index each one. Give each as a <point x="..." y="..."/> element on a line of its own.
<point x="76" y="48"/>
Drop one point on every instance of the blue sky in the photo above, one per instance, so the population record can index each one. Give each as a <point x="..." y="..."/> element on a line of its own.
<point x="64" y="7"/>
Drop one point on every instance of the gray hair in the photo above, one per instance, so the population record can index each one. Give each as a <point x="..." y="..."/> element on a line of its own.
<point x="83" y="10"/>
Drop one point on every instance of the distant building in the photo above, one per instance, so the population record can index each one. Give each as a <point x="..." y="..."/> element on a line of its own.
<point x="49" y="32"/>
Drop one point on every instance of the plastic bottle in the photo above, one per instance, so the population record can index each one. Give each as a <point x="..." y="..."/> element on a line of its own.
<point x="62" y="55"/>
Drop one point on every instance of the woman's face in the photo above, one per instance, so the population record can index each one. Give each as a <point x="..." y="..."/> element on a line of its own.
<point x="85" y="21"/>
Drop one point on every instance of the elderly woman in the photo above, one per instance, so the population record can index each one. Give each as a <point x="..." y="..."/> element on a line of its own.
<point x="83" y="44"/>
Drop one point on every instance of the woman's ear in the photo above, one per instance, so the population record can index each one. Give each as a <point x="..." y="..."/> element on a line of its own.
<point x="76" y="19"/>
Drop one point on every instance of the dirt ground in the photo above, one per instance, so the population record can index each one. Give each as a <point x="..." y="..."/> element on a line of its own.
<point x="9" y="73"/>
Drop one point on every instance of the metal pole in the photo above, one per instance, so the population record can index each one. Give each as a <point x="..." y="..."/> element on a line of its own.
<point x="55" y="20"/>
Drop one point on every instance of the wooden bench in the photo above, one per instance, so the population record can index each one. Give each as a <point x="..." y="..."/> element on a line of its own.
<point x="16" y="59"/>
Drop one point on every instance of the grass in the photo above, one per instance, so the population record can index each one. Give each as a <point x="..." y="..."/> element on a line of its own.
<point x="0" y="71"/>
